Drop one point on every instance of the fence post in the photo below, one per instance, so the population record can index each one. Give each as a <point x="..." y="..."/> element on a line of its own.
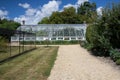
<point x="10" y="47"/>
<point x="23" y="42"/>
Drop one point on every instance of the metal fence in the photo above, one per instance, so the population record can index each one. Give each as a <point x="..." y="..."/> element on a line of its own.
<point x="9" y="48"/>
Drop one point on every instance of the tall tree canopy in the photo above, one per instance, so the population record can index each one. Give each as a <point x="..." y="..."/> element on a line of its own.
<point x="85" y="12"/>
<point x="86" y="8"/>
<point x="9" y="24"/>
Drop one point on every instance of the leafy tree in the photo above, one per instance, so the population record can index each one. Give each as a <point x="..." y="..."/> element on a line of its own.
<point x="87" y="11"/>
<point x="86" y="8"/>
<point x="9" y="24"/>
<point x="67" y="16"/>
<point x="45" y="20"/>
<point x="55" y="18"/>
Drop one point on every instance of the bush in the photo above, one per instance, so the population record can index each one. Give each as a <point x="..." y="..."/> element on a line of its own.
<point x="83" y="44"/>
<point x="115" y="54"/>
<point x="97" y="42"/>
<point x="98" y="51"/>
<point x="112" y="21"/>
<point x="105" y="32"/>
<point x="118" y="62"/>
<point x="91" y="34"/>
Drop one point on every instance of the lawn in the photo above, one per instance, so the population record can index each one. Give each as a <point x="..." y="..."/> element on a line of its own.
<point x="14" y="51"/>
<point x="34" y="65"/>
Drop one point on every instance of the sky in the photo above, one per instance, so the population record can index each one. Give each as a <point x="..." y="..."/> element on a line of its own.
<point x="32" y="11"/>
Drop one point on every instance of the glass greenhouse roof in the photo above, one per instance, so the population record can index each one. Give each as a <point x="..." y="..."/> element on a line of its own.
<point x="56" y="31"/>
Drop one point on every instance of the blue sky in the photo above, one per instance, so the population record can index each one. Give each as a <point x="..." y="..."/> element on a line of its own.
<point x="33" y="11"/>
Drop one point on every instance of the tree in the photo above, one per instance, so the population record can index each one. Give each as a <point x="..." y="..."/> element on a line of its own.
<point x="9" y="24"/>
<point x="86" y="7"/>
<point x="55" y="18"/>
<point x="87" y="11"/>
<point x="45" y="20"/>
<point x="69" y="15"/>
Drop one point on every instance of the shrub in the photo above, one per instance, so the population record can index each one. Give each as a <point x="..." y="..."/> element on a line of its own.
<point x="89" y="47"/>
<point x="83" y="44"/>
<point x="97" y="42"/>
<point x="115" y="54"/>
<point x="98" y="51"/>
<point x="91" y="34"/>
<point x="118" y="62"/>
<point x="105" y="32"/>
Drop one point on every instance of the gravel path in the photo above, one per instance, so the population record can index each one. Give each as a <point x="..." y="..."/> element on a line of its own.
<point x="75" y="63"/>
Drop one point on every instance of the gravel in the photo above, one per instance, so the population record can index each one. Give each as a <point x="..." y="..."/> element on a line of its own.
<point x="75" y="63"/>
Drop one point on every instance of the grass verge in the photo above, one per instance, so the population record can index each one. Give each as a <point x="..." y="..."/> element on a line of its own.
<point x="13" y="51"/>
<point x="35" y="65"/>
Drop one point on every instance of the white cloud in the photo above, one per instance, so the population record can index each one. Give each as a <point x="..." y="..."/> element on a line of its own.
<point x="30" y="12"/>
<point x="33" y="16"/>
<point x="25" y="5"/>
<point x="81" y="2"/>
<point x="69" y="5"/>
<point x="3" y="14"/>
<point x="47" y="9"/>
<point x="99" y="11"/>
<point x="76" y="5"/>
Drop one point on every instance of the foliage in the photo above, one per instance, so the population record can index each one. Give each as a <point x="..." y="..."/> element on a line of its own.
<point x="56" y="18"/>
<point x="98" y="43"/>
<point x="86" y="7"/>
<point x="87" y="11"/>
<point x="9" y="24"/>
<point x="91" y="34"/>
<point x="44" y="20"/>
<point x="118" y="62"/>
<point x="112" y="24"/>
<point x="104" y="33"/>
<point x="70" y="15"/>
<point x="115" y="54"/>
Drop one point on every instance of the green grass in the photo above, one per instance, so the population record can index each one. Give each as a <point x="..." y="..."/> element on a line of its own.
<point x="35" y="65"/>
<point x="14" y="51"/>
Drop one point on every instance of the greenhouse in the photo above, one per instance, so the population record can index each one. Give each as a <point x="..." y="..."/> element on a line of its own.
<point x="53" y="32"/>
